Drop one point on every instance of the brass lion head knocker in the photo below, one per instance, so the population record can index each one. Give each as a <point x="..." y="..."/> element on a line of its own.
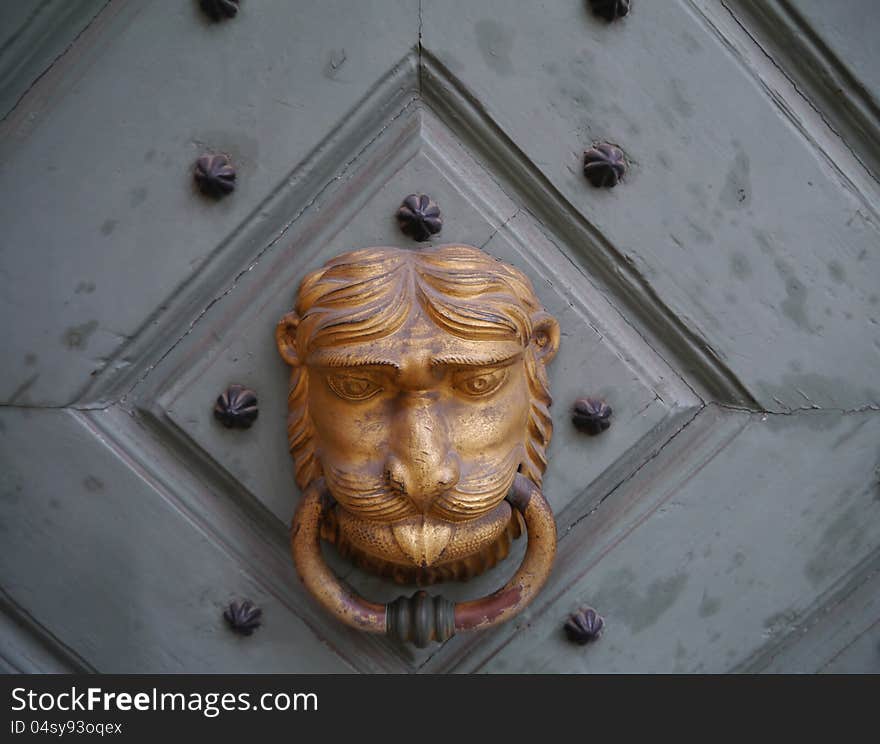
<point x="418" y="424"/>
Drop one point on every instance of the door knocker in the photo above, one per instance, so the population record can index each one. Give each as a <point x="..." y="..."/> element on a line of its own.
<point x="418" y="421"/>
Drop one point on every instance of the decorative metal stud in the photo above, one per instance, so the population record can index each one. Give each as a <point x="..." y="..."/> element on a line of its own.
<point x="584" y="626"/>
<point x="419" y="217"/>
<point x="236" y="407"/>
<point x="243" y="617"/>
<point x="215" y="175"/>
<point x="591" y="415"/>
<point x="217" y="10"/>
<point x="610" y="10"/>
<point x="604" y="165"/>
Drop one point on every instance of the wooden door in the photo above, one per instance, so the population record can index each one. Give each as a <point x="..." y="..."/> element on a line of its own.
<point x="722" y="298"/>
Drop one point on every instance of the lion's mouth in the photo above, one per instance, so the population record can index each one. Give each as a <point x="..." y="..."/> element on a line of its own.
<point x="417" y="551"/>
<point x="383" y="520"/>
<point x="422" y="538"/>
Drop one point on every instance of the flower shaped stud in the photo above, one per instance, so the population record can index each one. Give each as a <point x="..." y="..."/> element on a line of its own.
<point x="243" y="617"/>
<point x="584" y="626"/>
<point x="591" y="415"/>
<point x="419" y="217"/>
<point x="217" y="10"/>
<point x="215" y="175"/>
<point x="610" y="10"/>
<point x="604" y="165"/>
<point x="236" y="407"/>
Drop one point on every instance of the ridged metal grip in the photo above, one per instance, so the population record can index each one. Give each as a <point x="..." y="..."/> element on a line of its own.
<point x="421" y="619"/>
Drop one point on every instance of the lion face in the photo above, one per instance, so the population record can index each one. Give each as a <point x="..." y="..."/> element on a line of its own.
<point x="418" y="391"/>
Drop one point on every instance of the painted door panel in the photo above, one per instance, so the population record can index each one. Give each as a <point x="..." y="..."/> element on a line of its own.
<point x="723" y="298"/>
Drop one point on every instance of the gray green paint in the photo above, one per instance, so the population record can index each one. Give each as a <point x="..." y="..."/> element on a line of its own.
<point x="710" y="538"/>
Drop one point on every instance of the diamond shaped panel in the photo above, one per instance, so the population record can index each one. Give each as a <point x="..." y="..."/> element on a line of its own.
<point x="361" y="213"/>
<point x="417" y="151"/>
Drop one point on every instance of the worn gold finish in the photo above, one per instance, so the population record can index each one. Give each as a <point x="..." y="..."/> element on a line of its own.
<point x="418" y="410"/>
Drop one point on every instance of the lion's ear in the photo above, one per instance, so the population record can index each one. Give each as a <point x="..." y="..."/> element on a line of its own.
<point x="545" y="337"/>
<point x="285" y="337"/>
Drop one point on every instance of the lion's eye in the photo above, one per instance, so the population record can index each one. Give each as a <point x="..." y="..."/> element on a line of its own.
<point x="352" y="387"/>
<point x="479" y="383"/>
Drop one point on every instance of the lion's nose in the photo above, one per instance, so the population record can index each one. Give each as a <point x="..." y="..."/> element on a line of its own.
<point x="420" y="480"/>
<point x="421" y="464"/>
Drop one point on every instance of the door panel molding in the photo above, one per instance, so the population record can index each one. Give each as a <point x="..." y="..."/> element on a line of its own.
<point x="728" y="273"/>
<point x="256" y="234"/>
<point x="816" y="639"/>
<point x="26" y="647"/>
<point x="593" y="253"/>
<point x="794" y="46"/>
<point x="727" y="558"/>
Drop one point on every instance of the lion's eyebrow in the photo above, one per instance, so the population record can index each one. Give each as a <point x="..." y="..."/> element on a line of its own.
<point x="343" y="359"/>
<point x="474" y="360"/>
<point x="324" y="358"/>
